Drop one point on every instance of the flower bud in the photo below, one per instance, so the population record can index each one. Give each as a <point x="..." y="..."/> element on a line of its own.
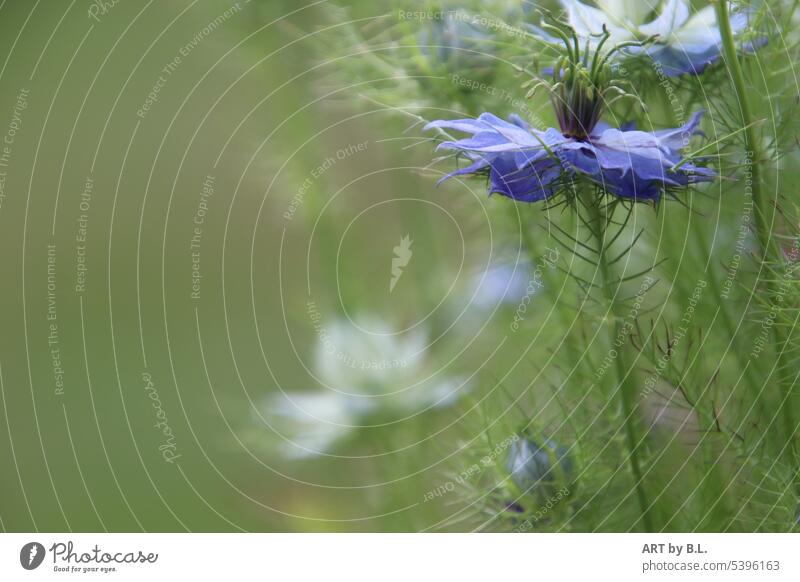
<point x="539" y="470"/>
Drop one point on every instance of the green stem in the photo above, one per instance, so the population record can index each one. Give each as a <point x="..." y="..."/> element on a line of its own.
<point x="751" y="141"/>
<point x="769" y="247"/>
<point x="624" y="380"/>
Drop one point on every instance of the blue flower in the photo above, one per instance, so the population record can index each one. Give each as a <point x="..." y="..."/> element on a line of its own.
<point x="537" y="469"/>
<point x="685" y="44"/>
<point x="529" y="165"/>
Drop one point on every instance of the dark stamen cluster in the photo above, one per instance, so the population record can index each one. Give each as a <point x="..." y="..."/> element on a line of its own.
<point x="581" y="83"/>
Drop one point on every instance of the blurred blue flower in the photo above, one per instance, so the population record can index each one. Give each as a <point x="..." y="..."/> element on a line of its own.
<point x="685" y="44"/>
<point x="501" y="282"/>
<point x="538" y="469"/>
<point x="529" y="165"/>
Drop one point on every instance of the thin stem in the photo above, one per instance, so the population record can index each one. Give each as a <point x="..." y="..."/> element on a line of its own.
<point x="751" y="142"/>
<point x="769" y="247"/>
<point x="627" y="388"/>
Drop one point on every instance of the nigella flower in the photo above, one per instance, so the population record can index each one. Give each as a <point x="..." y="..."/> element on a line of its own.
<point x="364" y="374"/>
<point x="684" y="43"/>
<point x="529" y="165"/>
<point x="539" y="470"/>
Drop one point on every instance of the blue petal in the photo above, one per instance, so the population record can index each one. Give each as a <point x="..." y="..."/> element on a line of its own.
<point x="485" y="142"/>
<point x="519" y="122"/>
<point x="678" y="138"/>
<point x="490" y="134"/>
<point x="531" y="183"/>
<point x="636" y="164"/>
<point x="473" y="168"/>
<point x="675" y="61"/>
<point x="698" y="44"/>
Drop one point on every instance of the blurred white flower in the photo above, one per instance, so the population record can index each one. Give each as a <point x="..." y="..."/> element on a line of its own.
<point x="310" y="421"/>
<point x="364" y="372"/>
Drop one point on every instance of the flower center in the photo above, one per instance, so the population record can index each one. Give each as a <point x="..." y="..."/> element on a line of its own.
<point x="578" y="102"/>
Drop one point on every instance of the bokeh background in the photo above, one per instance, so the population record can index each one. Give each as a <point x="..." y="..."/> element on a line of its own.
<point x="98" y="215"/>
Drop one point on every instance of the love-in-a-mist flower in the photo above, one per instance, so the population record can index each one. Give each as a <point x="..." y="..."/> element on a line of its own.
<point x="363" y="373"/>
<point x="539" y="470"/>
<point x="683" y="43"/>
<point x="528" y="164"/>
